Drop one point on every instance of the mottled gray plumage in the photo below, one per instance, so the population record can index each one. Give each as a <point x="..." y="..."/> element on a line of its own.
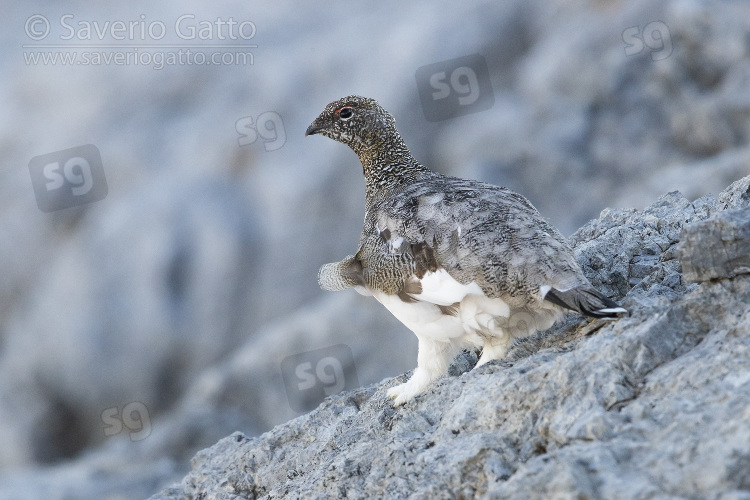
<point x="493" y="244"/>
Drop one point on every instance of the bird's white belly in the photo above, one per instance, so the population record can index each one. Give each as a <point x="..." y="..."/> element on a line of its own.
<point x="476" y="313"/>
<point x="423" y="318"/>
<point x="439" y="287"/>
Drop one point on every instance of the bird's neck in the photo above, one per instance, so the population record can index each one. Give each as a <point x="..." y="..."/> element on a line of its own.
<point x="387" y="167"/>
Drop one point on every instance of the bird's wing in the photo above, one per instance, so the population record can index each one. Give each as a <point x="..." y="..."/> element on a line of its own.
<point x="475" y="233"/>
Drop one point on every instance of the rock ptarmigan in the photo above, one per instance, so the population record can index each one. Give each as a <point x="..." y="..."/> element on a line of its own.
<point x="461" y="263"/>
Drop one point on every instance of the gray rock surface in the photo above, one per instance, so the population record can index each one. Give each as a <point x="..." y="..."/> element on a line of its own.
<point x="654" y="405"/>
<point x="716" y="248"/>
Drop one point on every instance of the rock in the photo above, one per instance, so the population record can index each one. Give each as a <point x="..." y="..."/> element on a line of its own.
<point x="716" y="248"/>
<point x="651" y="405"/>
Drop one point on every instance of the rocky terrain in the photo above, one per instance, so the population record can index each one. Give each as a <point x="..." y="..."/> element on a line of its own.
<point x="654" y="405"/>
<point x="143" y="327"/>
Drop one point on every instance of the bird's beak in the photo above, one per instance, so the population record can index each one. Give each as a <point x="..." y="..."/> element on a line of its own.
<point x="314" y="128"/>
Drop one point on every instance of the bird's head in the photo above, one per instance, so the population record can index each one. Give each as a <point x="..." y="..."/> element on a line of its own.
<point x="359" y="122"/>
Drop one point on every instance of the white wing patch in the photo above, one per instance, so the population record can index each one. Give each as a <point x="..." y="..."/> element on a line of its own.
<point x="440" y="288"/>
<point x="614" y="310"/>
<point x="394" y="245"/>
<point x="423" y="318"/>
<point x="394" y="242"/>
<point x="476" y="314"/>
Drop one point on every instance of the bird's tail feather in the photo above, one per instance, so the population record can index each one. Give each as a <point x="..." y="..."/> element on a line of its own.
<point x="586" y="301"/>
<point x="341" y="275"/>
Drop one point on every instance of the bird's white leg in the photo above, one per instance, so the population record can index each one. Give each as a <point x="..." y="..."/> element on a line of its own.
<point x="494" y="348"/>
<point x="432" y="361"/>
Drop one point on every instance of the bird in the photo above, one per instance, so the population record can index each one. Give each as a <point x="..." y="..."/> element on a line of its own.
<point x="461" y="263"/>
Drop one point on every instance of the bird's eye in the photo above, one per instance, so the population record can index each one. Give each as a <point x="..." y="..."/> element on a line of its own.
<point x="345" y="113"/>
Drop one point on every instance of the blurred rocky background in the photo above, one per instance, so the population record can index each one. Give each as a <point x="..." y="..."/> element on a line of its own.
<point x="142" y="327"/>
